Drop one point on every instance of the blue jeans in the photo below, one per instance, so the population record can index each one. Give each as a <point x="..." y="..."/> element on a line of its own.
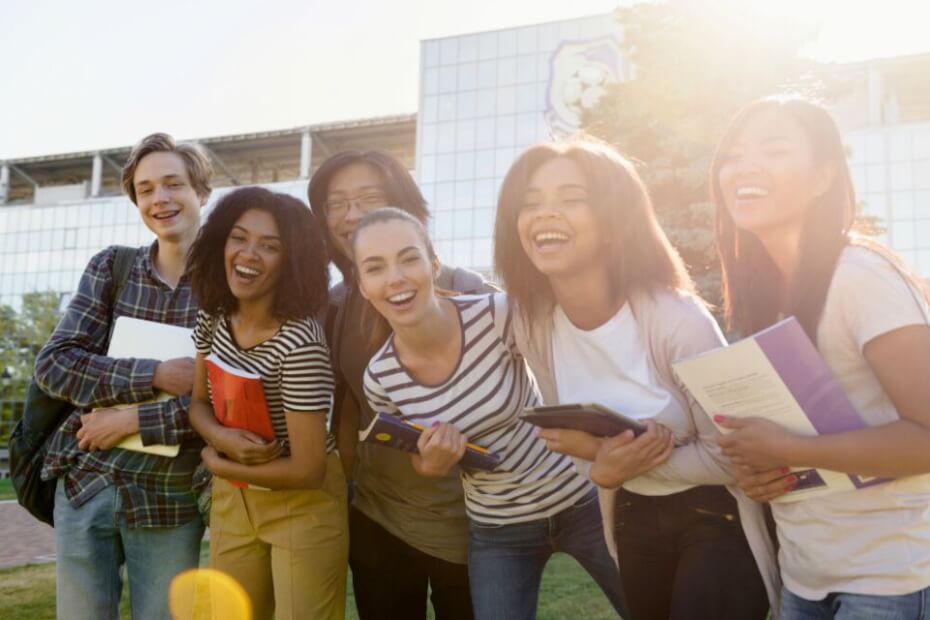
<point x="505" y="562"/>
<point x="847" y="606"/>
<point x="93" y="541"/>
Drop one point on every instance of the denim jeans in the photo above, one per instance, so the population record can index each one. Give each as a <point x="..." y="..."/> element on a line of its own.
<point x="506" y="561"/>
<point x="847" y="606"/>
<point x="93" y="541"/>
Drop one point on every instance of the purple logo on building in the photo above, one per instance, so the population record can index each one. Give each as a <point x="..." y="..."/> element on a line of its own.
<point x="579" y="72"/>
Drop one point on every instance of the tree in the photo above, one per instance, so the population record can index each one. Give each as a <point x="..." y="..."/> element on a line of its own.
<point x="22" y="335"/>
<point x="694" y="65"/>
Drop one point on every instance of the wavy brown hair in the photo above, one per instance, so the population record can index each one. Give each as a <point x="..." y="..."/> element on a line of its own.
<point x="754" y="291"/>
<point x="303" y="286"/>
<point x="639" y="255"/>
<point x="196" y="161"/>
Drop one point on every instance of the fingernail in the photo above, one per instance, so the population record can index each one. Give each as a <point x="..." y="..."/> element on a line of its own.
<point x="785" y="470"/>
<point x="792" y="479"/>
<point x="720" y="418"/>
<point x="435" y="424"/>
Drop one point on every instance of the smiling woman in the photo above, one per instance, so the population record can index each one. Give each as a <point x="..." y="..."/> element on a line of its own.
<point x="259" y="270"/>
<point x="785" y="207"/>
<point x="602" y="306"/>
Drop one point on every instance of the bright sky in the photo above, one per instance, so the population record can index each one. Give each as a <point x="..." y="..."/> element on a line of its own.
<point x="102" y="73"/>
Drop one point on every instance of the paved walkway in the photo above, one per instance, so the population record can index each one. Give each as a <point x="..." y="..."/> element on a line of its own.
<point x="23" y="540"/>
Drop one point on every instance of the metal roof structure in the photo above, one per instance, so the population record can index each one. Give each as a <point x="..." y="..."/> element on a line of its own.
<point x="258" y="157"/>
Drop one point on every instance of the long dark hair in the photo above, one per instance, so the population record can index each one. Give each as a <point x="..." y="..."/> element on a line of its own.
<point x="302" y="287"/>
<point x="754" y="290"/>
<point x="639" y="255"/>
<point x="400" y="189"/>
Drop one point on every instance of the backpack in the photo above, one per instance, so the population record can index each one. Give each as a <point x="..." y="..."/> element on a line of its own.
<point x="42" y="415"/>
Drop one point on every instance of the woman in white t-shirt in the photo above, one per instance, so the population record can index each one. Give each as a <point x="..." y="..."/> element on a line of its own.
<point x="451" y="365"/>
<point x="604" y="305"/>
<point x="785" y="207"/>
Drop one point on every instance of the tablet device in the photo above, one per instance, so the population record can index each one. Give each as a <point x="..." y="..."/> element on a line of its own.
<point x="592" y="418"/>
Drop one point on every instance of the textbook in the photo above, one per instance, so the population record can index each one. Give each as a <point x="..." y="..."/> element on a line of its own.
<point x="238" y="398"/>
<point x="778" y="374"/>
<point x="141" y="339"/>
<point x="395" y="432"/>
<point x="591" y="418"/>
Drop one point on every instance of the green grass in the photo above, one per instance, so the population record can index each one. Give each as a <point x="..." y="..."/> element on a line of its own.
<point x="6" y="489"/>
<point x="28" y="593"/>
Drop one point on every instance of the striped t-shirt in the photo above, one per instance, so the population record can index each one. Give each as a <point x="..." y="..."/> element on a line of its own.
<point x="293" y="364"/>
<point x="483" y="399"/>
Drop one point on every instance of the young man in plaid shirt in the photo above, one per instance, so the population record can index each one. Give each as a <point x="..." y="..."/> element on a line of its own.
<point x="115" y="506"/>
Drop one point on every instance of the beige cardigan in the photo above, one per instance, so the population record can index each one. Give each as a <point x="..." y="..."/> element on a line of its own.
<point x="674" y="326"/>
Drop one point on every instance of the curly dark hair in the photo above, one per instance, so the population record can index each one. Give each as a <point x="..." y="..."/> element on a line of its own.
<point x="302" y="288"/>
<point x="402" y="192"/>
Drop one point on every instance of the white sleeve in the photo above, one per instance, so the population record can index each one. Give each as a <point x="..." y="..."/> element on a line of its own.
<point x="874" y="297"/>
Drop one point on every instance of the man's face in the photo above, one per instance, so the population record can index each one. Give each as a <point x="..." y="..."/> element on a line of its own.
<point x="167" y="201"/>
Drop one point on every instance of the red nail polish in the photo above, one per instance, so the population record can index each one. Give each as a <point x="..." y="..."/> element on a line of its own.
<point x="719" y="418"/>
<point x="435" y="424"/>
<point x="785" y="470"/>
<point x="792" y="479"/>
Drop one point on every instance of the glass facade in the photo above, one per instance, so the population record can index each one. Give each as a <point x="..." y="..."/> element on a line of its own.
<point x="45" y="248"/>
<point x="483" y="99"/>
<point x="891" y="172"/>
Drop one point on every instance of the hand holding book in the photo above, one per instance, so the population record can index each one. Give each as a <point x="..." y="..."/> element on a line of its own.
<point x="755" y="443"/>
<point x="440" y="448"/>
<point x="244" y="446"/>
<point x="395" y="432"/>
<point x="624" y="457"/>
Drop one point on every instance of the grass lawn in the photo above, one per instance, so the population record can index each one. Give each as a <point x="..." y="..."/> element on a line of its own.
<point x="6" y="489"/>
<point x="28" y="593"/>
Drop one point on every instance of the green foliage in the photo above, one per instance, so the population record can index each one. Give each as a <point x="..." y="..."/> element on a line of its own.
<point x="22" y="335"/>
<point x="694" y="65"/>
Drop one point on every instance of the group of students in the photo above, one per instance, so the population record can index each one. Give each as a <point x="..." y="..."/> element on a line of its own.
<point x="598" y="305"/>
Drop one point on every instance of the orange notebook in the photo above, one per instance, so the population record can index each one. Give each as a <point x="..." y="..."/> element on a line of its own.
<point x="238" y="400"/>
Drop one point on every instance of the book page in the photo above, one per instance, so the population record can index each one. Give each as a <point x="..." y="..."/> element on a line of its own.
<point x="740" y="381"/>
<point x="137" y="338"/>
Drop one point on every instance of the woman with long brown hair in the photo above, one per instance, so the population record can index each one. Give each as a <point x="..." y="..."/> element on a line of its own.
<point x="604" y="305"/>
<point x="785" y="209"/>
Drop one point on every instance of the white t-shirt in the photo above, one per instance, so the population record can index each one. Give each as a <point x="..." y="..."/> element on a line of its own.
<point x="608" y="365"/>
<point x="876" y="540"/>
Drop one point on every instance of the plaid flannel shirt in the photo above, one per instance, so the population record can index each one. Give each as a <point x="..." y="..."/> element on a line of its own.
<point x="154" y="491"/>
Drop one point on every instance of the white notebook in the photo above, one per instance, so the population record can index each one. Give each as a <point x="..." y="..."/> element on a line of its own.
<point x="149" y="340"/>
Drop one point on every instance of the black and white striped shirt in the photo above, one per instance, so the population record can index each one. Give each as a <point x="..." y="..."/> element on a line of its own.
<point x="483" y="398"/>
<point x="293" y="364"/>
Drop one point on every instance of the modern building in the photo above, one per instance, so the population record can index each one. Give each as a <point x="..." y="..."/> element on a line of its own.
<point x="483" y="98"/>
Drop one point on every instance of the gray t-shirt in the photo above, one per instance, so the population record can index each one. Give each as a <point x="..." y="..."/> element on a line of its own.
<point x="426" y="513"/>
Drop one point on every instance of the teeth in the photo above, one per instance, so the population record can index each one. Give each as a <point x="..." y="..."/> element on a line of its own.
<point x="247" y="271"/>
<point x="751" y="192"/>
<point x="162" y="216"/>
<point x="401" y="297"/>
<point x="550" y="236"/>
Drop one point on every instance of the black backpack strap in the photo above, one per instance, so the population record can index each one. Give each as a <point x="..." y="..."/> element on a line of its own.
<point x="122" y="265"/>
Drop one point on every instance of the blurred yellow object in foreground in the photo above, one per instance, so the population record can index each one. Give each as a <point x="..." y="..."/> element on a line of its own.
<point x="208" y="594"/>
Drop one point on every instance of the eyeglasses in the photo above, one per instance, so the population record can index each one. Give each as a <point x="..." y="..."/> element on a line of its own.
<point x="365" y="203"/>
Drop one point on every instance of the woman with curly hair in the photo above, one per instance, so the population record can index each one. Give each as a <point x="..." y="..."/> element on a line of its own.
<point x="259" y="272"/>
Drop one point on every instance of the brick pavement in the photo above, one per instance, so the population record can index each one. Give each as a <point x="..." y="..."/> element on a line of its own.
<point x="23" y="540"/>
